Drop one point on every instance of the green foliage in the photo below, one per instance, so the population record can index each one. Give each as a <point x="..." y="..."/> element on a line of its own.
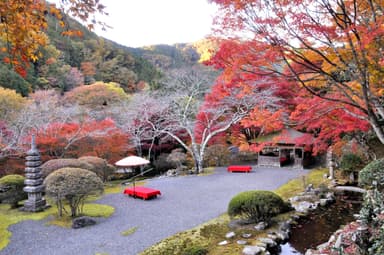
<point x="11" y="80"/>
<point x="256" y="205"/>
<point x="55" y="164"/>
<point x="196" y="250"/>
<point x="73" y="185"/>
<point x="372" y="175"/>
<point x="11" y="190"/>
<point x="351" y="163"/>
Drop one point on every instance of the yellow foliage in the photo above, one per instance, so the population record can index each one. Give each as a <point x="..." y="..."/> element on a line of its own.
<point x="10" y="103"/>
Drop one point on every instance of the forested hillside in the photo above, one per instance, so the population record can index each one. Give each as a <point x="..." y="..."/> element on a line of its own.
<point x="83" y="57"/>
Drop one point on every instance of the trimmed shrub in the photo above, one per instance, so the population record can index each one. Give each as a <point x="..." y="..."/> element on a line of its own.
<point x="177" y="158"/>
<point x="161" y="164"/>
<point x="217" y="155"/>
<point x="256" y="205"/>
<point x="73" y="185"/>
<point x="100" y="166"/>
<point x="196" y="250"/>
<point x="11" y="190"/>
<point x="351" y="163"/>
<point x="55" y="164"/>
<point x="373" y="175"/>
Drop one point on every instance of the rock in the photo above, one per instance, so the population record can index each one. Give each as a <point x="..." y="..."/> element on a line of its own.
<point x="252" y="250"/>
<point x="268" y="241"/>
<point x="330" y="196"/>
<point x="246" y="235"/>
<point x="285" y="226"/>
<point x="283" y="236"/>
<point x="304" y="206"/>
<point x="225" y="242"/>
<point x="323" y="202"/>
<point x="309" y="188"/>
<point x="261" y="226"/>
<point x="82" y="222"/>
<point x="172" y="172"/>
<point x="273" y="237"/>
<point x="230" y="235"/>
<point x="309" y="252"/>
<point x="339" y="242"/>
<point x="322" y="246"/>
<point x="331" y="239"/>
<point x="241" y="242"/>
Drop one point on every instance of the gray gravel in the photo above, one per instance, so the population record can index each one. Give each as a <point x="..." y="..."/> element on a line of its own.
<point x="185" y="203"/>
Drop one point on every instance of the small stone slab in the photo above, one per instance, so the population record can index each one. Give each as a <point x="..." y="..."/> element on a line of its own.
<point x="246" y="235"/>
<point x="82" y="222"/>
<point x="241" y="242"/>
<point x="225" y="242"/>
<point x="252" y="250"/>
<point x="230" y="235"/>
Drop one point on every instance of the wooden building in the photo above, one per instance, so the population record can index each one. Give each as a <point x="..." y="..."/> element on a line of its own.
<point x="284" y="148"/>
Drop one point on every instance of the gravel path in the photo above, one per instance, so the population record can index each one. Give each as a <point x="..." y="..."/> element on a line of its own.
<point x="185" y="203"/>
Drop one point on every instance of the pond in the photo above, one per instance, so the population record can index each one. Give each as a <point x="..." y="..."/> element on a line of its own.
<point x="318" y="226"/>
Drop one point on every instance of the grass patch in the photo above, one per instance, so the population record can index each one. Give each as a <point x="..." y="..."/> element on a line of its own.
<point x="209" y="234"/>
<point x="12" y="216"/>
<point x="298" y="185"/>
<point x="129" y="231"/>
<point x="92" y="210"/>
<point x="207" y="171"/>
<point x="9" y="217"/>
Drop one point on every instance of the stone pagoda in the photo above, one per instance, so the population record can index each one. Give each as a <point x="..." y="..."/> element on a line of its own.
<point x="33" y="181"/>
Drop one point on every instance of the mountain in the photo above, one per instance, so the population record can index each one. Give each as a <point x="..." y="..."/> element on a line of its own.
<point x="82" y="57"/>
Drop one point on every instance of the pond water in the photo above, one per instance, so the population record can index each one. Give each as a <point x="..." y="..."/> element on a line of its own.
<point x="318" y="226"/>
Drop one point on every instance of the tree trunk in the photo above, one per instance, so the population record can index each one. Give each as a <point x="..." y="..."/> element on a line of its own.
<point x="377" y="129"/>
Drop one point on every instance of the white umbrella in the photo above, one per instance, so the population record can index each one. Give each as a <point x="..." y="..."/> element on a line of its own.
<point x="132" y="161"/>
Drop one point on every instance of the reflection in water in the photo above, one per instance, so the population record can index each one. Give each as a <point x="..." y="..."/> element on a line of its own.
<point x="317" y="227"/>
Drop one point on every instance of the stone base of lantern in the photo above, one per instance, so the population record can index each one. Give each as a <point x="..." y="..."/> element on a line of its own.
<point x="35" y="206"/>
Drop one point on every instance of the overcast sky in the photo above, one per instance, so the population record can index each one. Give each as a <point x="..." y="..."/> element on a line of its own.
<point x="139" y="23"/>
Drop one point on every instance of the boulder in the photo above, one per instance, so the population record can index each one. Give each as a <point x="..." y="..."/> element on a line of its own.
<point x="82" y="222"/>
<point x="261" y="226"/>
<point x="225" y="242"/>
<point x="252" y="250"/>
<point x="230" y="235"/>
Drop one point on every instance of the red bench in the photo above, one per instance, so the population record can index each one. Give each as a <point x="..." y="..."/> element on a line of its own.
<point x="142" y="192"/>
<point x="246" y="169"/>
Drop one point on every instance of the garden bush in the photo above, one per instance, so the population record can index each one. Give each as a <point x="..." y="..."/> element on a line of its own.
<point x="217" y="155"/>
<point x="255" y="206"/>
<point x="55" y="164"/>
<point x="373" y="175"/>
<point x="11" y="190"/>
<point x="351" y="163"/>
<point x="161" y="164"/>
<point x="73" y="185"/>
<point x="100" y="166"/>
<point x="177" y="158"/>
<point x="195" y="250"/>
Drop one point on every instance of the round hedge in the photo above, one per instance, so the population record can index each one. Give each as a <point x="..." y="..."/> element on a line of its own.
<point x="11" y="189"/>
<point x="351" y="163"/>
<point x="372" y="173"/>
<point x="100" y="166"/>
<point x="55" y="164"/>
<point x="72" y="185"/>
<point x="256" y="205"/>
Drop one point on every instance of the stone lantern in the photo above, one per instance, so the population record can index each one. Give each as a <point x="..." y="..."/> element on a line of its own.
<point x="33" y="181"/>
